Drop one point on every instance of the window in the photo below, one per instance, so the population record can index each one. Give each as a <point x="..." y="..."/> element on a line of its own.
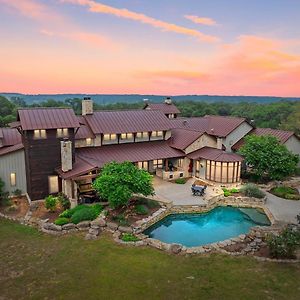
<point x="143" y="165"/>
<point x="88" y="141"/>
<point x="180" y="163"/>
<point x="171" y="116"/>
<point x="157" y="163"/>
<point x="110" y="137"/>
<point x="157" y="133"/>
<point x="39" y="134"/>
<point x="126" y="136"/>
<point x="53" y="184"/>
<point x="62" y="132"/>
<point x="142" y="135"/>
<point x="13" y="179"/>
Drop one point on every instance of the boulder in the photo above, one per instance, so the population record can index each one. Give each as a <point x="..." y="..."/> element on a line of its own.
<point x="83" y="225"/>
<point x="112" y="226"/>
<point x="125" y="229"/>
<point x="99" y="222"/>
<point x="175" y="248"/>
<point x="94" y="231"/>
<point x="69" y="226"/>
<point x="90" y="237"/>
<point x="33" y="206"/>
<point x="51" y="226"/>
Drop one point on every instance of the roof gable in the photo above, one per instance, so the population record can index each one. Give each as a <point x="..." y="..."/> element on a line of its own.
<point x="10" y="136"/>
<point x="47" y="118"/>
<point x="127" y="121"/>
<point x="84" y="130"/>
<point x="164" y="107"/>
<point x="182" y="138"/>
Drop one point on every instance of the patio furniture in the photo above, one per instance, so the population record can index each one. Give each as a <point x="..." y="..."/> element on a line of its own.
<point x="198" y="190"/>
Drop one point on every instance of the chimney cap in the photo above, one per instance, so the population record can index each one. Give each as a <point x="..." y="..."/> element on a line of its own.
<point x="86" y="98"/>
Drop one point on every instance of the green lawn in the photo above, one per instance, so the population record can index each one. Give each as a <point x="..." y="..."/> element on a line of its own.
<point x="37" y="266"/>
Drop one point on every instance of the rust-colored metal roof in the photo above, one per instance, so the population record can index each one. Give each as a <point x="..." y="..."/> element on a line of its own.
<point x="84" y="131"/>
<point x="47" y="118"/>
<point x="80" y="167"/>
<point x="182" y="138"/>
<point x="133" y="152"/>
<point x="213" y="125"/>
<point x="215" y="155"/>
<point x="10" y="149"/>
<point x="129" y="121"/>
<point x="10" y="136"/>
<point x="164" y="107"/>
<point x="281" y="135"/>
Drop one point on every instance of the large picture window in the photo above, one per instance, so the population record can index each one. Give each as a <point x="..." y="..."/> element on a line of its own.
<point x="157" y="163"/>
<point x="225" y="172"/>
<point x="53" y="184"/>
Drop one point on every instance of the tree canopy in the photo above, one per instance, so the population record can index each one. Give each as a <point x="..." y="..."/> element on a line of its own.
<point x="267" y="157"/>
<point x="118" y="182"/>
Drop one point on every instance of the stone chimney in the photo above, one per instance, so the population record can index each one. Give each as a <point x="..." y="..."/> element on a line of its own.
<point x="87" y="106"/>
<point x="168" y="100"/>
<point x="66" y="155"/>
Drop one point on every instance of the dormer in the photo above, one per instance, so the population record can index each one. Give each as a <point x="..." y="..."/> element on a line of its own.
<point x="167" y="107"/>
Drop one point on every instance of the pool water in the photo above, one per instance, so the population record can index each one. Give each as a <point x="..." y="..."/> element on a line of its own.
<point x="219" y="224"/>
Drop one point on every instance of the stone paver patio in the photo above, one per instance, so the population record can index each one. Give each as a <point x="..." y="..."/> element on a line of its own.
<point x="180" y="194"/>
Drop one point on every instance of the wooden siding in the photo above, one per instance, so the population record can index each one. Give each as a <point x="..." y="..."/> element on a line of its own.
<point x="13" y="163"/>
<point x="42" y="156"/>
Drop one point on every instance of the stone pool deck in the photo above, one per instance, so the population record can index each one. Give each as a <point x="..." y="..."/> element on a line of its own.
<point x="180" y="194"/>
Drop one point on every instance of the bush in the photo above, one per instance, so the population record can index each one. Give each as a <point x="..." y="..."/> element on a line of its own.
<point x="251" y="190"/>
<point x="64" y="201"/>
<point x="234" y="191"/>
<point x="17" y="193"/>
<point x="227" y="194"/>
<point x="292" y="197"/>
<point x="148" y="202"/>
<point x="85" y="214"/>
<point x="51" y="203"/>
<point x="129" y="237"/>
<point x="121" y="220"/>
<point x="97" y="207"/>
<point x="285" y="244"/>
<point x="141" y="209"/>
<point x="180" y="181"/>
<point x="69" y="212"/>
<point x="61" y="221"/>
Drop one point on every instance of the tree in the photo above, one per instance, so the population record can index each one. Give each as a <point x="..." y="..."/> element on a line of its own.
<point x="267" y="156"/>
<point x="118" y="182"/>
<point x="293" y="120"/>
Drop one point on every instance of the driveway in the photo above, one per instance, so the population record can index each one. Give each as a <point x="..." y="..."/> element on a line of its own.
<point x="283" y="210"/>
<point x="180" y="194"/>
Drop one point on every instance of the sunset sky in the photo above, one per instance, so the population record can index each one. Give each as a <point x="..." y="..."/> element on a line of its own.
<point x="166" y="47"/>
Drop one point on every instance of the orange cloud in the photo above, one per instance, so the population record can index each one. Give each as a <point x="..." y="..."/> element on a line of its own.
<point x="97" y="7"/>
<point x="57" y="24"/>
<point x="202" y="21"/>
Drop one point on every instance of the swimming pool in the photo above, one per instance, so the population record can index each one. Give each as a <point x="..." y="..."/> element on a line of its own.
<point x="199" y="229"/>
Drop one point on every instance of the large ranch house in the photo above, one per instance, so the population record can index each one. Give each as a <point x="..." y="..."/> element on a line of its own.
<point x="51" y="150"/>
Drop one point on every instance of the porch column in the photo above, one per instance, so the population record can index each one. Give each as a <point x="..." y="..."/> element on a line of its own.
<point x="167" y="165"/>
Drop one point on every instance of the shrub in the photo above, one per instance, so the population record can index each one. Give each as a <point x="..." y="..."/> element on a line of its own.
<point x="97" y="207"/>
<point x="85" y="214"/>
<point x="286" y="192"/>
<point x="141" y="209"/>
<point x="227" y="194"/>
<point x="152" y="203"/>
<point x="251" y="190"/>
<point x="69" y="212"/>
<point x="51" y="203"/>
<point x="17" y="193"/>
<point x="64" y="201"/>
<point x="61" y="221"/>
<point x="121" y="219"/>
<point x="180" y="181"/>
<point x="292" y="197"/>
<point x="129" y="237"/>
<point x="234" y="191"/>
<point x="285" y="244"/>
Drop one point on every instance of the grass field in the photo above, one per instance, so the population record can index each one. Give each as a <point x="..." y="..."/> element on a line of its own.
<point x="37" y="266"/>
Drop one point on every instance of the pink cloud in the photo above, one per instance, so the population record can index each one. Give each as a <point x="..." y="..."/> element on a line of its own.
<point x="200" y="20"/>
<point x="97" y="7"/>
<point x="54" y="24"/>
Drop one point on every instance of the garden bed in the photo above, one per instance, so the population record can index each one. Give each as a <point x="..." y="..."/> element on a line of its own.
<point x="286" y="192"/>
<point x="42" y="213"/>
<point x="138" y="209"/>
<point x="17" y="207"/>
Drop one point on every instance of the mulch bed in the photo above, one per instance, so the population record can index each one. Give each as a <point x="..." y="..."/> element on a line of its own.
<point x="21" y="207"/>
<point x="42" y="213"/>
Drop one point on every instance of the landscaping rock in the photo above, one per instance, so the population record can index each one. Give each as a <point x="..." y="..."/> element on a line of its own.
<point x="112" y="226"/>
<point x="94" y="231"/>
<point x="175" y="248"/>
<point x="51" y="226"/>
<point x="125" y="229"/>
<point x="83" y="225"/>
<point x="95" y="226"/>
<point x="33" y="206"/>
<point x="69" y="226"/>
<point x="99" y="222"/>
<point x="90" y="237"/>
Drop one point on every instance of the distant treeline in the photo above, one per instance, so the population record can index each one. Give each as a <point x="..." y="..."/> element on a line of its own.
<point x="283" y="114"/>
